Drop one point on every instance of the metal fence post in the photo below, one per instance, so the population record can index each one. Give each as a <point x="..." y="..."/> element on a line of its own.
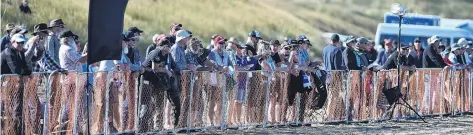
<point x="375" y="96"/>
<point x="442" y="98"/>
<point x="107" y="97"/>
<point x="266" y="107"/>
<point x="1" y="105"/>
<point x="138" y="106"/>
<point x="417" y="89"/>
<point x="191" y="92"/>
<point x="470" y="91"/>
<point x="74" y="128"/>
<point x="46" y="107"/>
<point x="224" y="105"/>
<point x="347" y="96"/>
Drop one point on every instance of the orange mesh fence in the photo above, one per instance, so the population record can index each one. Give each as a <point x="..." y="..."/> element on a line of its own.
<point x="32" y="107"/>
<point x="97" y="110"/>
<point x="61" y="103"/>
<point x="11" y="99"/>
<point x="460" y="91"/>
<point x="150" y="107"/>
<point x="380" y="102"/>
<point x="80" y="107"/>
<point x="435" y="88"/>
<point x="358" y="96"/>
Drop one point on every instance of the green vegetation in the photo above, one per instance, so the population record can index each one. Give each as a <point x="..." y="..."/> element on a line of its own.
<point x="273" y="18"/>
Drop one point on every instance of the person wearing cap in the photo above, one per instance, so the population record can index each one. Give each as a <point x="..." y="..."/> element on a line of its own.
<point x="351" y="57"/>
<point x="16" y="60"/>
<point x="361" y="48"/>
<point x="384" y="54"/>
<point x="370" y="53"/>
<point x="275" y="47"/>
<point x="407" y="61"/>
<point x="457" y="57"/>
<point x="52" y="46"/>
<point x="417" y="52"/>
<point x="159" y="66"/>
<point x="252" y="41"/>
<point x="328" y="50"/>
<point x="5" y="40"/>
<point x="178" y="50"/>
<point x="125" y="63"/>
<point x="69" y="56"/>
<point x="47" y="62"/>
<point x="431" y="58"/>
<point x="174" y="28"/>
<point x="211" y="46"/>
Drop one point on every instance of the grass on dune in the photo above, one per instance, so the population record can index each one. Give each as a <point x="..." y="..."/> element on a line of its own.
<point x="273" y="18"/>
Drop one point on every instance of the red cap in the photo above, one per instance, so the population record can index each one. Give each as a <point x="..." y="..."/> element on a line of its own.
<point x="218" y="39"/>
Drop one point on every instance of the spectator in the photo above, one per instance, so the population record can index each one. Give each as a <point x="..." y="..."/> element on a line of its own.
<point x="469" y="50"/>
<point x="304" y="60"/>
<point x="328" y="50"/>
<point x="252" y="41"/>
<point x="407" y="61"/>
<point x="362" y="51"/>
<point x="15" y="59"/>
<point x="231" y="49"/>
<point x="52" y="47"/>
<point x="47" y="62"/>
<point x="371" y="53"/>
<point x="197" y="56"/>
<point x="284" y="55"/>
<point x="457" y="57"/>
<point x="275" y="47"/>
<point x="211" y="46"/>
<point x="384" y="54"/>
<point x="175" y="27"/>
<point x="156" y="38"/>
<point x="431" y="58"/>
<point x="69" y="56"/>
<point x="5" y="41"/>
<point x="465" y="47"/>
<point x="24" y="8"/>
<point x="336" y="57"/>
<point x="178" y="50"/>
<point x="417" y="52"/>
<point x="124" y="64"/>
<point x="159" y="67"/>
<point x="350" y="55"/>
<point x="134" y="52"/>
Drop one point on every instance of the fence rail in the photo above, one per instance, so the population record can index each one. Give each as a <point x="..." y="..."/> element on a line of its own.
<point x="123" y="102"/>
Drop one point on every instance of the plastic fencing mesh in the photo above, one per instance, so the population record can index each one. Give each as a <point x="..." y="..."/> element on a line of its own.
<point x="334" y="108"/>
<point x="97" y="110"/>
<point x="61" y="103"/>
<point x="32" y="107"/>
<point x="236" y="98"/>
<point x="150" y="107"/>
<point x="185" y="99"/>
<point x="381" y="103"/>
<point x="11" y="99"/>
<point x="80" y="107"/>
<point x="461" y="91"/>
<point x="256" y="101"/>
<point x="358" y="97"/>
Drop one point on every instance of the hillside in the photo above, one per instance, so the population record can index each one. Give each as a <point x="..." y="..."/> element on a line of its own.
<point x="273" y="18"/>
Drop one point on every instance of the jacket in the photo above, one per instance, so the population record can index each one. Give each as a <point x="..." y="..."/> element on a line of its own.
<point x="432" y="59"/>
<point x="15" y="62"/>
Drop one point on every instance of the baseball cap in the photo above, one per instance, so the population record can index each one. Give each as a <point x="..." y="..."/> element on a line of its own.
<point x="135" y="30"/>
<point x="18" y="38"/>
<point x="255" y="34"/>
<point x="350" y="39"/>
<point x="462" y="42"/>
<point x="434" y="38"/>
<point x="456" y="47"/>
<point x="417" y="40"/>
<point x="362" y="40"/>
<point x="275" y="42"/>
<point x="219" y="39"/>
<point x="335" y="37"/>
<point x="128" y="35"/>
<point x="405" y="45"/>
<point x="181" y="34"/>
<point x="174" y="25"/>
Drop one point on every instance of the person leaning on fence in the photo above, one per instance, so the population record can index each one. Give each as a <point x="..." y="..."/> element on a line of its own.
<point x="52" y="47"/>
<point x="352" y="55"/>
<point x="384" y="54"/>
<point x="5" y="41"/>
<point x="370" y="53"/>
<point x="159" y="66"/>
<point x="156" y="38"/>
<point x="407" y="61"/>
<point x="466" y="49"/>
<point x="15" y="59"/>
<point x="134" y="52"/>
<point x="417" y="52"/>
<point x="196" y="55"/>
<point x="124" y="64"/>
<point x="252" y="41"/>
<point x="69" y="56"/>
<point x="457" y="57"/>
<point x="431" y="58"/>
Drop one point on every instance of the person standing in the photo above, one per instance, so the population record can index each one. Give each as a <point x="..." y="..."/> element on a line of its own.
<point x="431" y="57"/>
<point x="351" y="58"/>
<point x="69" y="56"/>
<point x="328" y="50"/>
<point x="384" y="54"/>
<point x="47" y="62"/>
<point x="57" y="28"/>
<point x="252" y="42"/>
<point x="156" y="38"/>
<point x="5" y="40"/>
<point x="418" y="52"/>
<point x="15" y="59"/>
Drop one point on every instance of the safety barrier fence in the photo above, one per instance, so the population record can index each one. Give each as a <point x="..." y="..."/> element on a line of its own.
<point x="122" y="102"/>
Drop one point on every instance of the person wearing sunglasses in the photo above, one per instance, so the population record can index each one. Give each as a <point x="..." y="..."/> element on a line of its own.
<point x="431" y="57"/>
<point x="407" y="61"/>
<point x="16" y="60"/>
<point x="457" y="57"/>
<point x="418" y="50"/>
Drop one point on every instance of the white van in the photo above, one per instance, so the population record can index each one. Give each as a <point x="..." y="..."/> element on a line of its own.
<point x="410" y="32"/>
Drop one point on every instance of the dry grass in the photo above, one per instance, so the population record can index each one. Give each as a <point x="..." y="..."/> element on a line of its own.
<point x="273" y="18"/>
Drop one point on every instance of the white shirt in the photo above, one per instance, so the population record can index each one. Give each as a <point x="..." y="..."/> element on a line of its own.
<point x="69" y="58"/>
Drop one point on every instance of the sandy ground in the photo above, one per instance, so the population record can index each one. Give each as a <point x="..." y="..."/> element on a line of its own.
<point x="436" y="125"/>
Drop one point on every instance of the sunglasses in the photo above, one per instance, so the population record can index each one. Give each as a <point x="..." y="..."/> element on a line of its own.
<point x="417" y="42"/>
<point x="20" y="43"/>
<point x="405" y="49"/>
<point x="221" y="43"/>
<point x="286" y="48"/>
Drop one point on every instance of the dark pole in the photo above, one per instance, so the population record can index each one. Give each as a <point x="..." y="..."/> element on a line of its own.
<point x="87" y="96"/>
<point x="399" y="55"/>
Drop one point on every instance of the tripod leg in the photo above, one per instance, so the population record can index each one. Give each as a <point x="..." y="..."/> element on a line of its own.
<point x="394" y="108"/>
<point x="410" y="107"/>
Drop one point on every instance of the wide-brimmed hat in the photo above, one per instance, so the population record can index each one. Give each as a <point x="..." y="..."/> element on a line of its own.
<point x="42" y="27"/>
<point x="434" y="39"/>
<point x="455" y="47"/>
<point x="135" y="30"/>
<point x="67" y="33"/>
<point x="9" y="26"/>
<point x="56" y="23"/>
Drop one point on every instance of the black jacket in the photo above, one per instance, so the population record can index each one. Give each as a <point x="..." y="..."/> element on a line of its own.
<point x="418" y="58"/>
<point x="18" y="62"/>
<point x="336" y="59"/>
<point x="392" y="63"/>
<point x="349" y="58"/>
<point x="432" y="59"/>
